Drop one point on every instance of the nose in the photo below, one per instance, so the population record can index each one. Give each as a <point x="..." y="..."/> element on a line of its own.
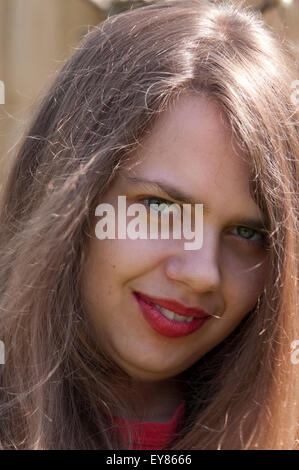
<point x="199" y="269"/>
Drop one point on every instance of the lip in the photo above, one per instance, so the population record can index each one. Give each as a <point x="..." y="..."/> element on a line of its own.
<point x="165" y="326"/>
<point x="175" y="306"/>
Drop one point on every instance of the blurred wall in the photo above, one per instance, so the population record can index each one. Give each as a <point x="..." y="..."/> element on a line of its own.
<point x="284" y="19"/>
<point x="36" y="36"/>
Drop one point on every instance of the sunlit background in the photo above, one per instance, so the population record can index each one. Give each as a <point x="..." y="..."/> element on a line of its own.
<point x="37" y="36"/>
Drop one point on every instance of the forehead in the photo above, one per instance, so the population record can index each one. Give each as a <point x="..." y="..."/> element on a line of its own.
<point x="190" y="146"/>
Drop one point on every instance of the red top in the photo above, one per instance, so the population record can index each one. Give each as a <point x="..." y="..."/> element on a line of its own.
<point x="153" y="436"/>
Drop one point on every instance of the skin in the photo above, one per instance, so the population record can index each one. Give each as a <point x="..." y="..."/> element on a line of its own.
<point x="189" y="148"/>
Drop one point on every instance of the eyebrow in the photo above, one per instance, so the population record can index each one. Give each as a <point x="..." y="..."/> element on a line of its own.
<point x="182" y="197"/>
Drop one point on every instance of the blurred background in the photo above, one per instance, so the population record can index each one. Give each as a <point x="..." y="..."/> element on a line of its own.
<point x="37" y="36"/>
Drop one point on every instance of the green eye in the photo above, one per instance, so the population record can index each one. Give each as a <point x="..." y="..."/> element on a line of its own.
<point x="162" y="203"/>
<point x="249" y="235"/>
<point x="157" y="201"/>
<point x="246" y="232"/>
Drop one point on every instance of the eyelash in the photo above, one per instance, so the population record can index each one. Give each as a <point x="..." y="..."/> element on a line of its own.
<point x="248" y="241"/>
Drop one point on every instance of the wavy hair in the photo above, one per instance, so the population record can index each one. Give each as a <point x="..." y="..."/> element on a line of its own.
<point x="58" y="389"/>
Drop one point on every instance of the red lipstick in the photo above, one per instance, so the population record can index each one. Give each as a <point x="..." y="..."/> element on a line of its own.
<point x="171" y="328"/>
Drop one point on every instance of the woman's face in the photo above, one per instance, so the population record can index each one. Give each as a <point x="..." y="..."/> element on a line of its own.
<point x="190" y="150"/>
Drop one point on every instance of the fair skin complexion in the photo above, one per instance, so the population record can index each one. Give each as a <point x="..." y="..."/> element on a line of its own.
<point x="190" y="149"/>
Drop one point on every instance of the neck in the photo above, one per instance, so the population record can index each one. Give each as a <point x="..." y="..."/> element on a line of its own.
<point x="154" y="401"/>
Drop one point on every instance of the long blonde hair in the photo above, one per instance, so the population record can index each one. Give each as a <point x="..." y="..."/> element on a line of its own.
<point x="57" y="388"/>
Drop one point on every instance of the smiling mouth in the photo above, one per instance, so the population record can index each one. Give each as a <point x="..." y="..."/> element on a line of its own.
<point x="166" y="322"/>
<point x="172" y="307"/>
<point x="172" y="315"/>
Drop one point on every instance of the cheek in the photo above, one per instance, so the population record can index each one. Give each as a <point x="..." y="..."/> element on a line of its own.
<point x="240" y="289"/>
<point x="123" y="260"/>
<point x="244" y="283"/>
<point x="110" y="264"/>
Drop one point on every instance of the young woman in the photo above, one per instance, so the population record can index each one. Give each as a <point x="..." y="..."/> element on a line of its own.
<point x="139" y="343"/>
